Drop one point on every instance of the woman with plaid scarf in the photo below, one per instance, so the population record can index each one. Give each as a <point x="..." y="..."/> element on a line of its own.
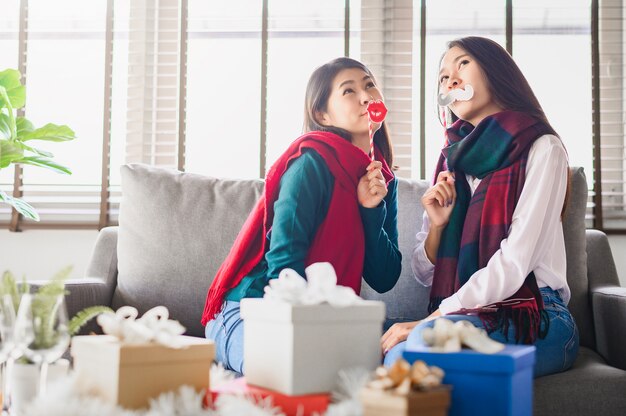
<point x="491" y="246"/>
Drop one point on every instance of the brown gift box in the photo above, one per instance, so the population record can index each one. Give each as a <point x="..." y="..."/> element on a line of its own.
<point x="434" y="402"/>
<point x="130" y="374"/>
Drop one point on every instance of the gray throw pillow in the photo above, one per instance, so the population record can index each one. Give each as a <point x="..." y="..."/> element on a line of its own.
<point x="175" y="229"/>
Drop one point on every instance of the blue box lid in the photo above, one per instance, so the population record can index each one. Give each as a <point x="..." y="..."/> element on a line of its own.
<point x="511" y="359"/>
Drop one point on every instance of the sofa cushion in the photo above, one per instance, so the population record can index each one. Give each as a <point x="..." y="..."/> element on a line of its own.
<point x="408" y="300"/>
<point x="175" y="229"/>
<point x="590" y="387"/>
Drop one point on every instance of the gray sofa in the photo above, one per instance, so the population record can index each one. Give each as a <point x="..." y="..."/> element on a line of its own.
<point x="176" y="228"/>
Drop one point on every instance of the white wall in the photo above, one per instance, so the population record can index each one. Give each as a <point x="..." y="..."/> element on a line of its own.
<point x="38" y="254"/>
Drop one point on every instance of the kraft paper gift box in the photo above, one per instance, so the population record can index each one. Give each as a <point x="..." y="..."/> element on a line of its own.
<point x="433" y="402"/>
<point x="299" y="349"/>
<point x="485" y="384"/>
<point x="130" y="374"/>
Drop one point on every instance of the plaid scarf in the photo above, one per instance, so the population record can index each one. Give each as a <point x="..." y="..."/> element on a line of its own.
<point x="495" y="151"/>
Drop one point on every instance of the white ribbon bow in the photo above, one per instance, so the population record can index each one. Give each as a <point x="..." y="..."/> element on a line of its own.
<point x="320" y="286"/>
<point x="448" y="336"/>
<point x="153" y="326"/>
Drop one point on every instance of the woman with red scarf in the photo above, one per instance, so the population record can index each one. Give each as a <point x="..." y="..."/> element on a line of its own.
<point x="325" y="200"/>
<point x="491" y="247"/>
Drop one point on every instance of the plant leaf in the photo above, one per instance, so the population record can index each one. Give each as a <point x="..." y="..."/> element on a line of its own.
<point x="23" y="126"/>
<point x="50" y="132"/>
<point x="25" y="287"/>
<point x="5" y="126"/>
<point x="39" y="152"/>
<point x="56" y="285"/>
<point x="20" y="206"/>
<point x="9" y="153"/>
<point x="9" y="287"/>
<point x="44" y="163"/>
<point x="84" y="316"/>
<point x="10" y="80"/>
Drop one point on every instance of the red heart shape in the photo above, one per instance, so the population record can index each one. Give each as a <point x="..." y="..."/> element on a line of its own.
<point x="377" y="111"/>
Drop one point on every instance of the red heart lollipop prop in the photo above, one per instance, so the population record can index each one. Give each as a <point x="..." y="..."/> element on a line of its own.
<point x="376" y="112"/>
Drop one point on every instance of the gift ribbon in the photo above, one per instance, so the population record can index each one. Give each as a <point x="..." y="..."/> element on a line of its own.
<point x="153" y="327"/>
<point x="448" y="336"/>
<point x="320" y="286"/>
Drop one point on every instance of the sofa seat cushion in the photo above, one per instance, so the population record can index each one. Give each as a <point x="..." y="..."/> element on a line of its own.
<point x="590" y="387"/>
<point x="175" y="230"/>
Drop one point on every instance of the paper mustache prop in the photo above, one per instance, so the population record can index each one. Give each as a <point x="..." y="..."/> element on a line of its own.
<point x="457" y="94"/>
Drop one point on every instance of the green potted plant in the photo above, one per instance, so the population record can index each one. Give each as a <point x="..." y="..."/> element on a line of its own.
<point x="56" y="286"/>
<point x="24" y="376"/>
<point x="16" y="132"/>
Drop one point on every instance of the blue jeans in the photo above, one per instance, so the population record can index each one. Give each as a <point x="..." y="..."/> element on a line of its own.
<point x="226" y="330"/>
<point x="555" y="353"/>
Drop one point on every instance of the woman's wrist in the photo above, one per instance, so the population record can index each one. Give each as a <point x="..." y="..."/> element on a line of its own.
<point x="433" y="315"/>
<point x="431" y="244"/>
<point x="437" y="228"/>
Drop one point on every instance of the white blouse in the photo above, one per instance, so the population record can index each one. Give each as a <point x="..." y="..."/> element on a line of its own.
<point x="535" y="241"/>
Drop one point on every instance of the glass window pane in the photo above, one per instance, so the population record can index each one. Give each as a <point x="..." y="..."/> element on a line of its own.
<point x="9" y="33"/>
<point x="561" y="83"/>
<point x="66" y="42"/>
<point x="224" y="88"/>
<point x="302" y="36"/>
<point x="119" y="104"/>
<point x="448" y="20"/>
<point x="355" y="29"/>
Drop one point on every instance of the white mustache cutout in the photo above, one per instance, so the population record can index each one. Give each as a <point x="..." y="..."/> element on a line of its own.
<point x="457" y="94"/>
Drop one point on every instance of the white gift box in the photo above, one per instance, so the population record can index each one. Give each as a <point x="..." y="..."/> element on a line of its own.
<point x="299" y="349"/>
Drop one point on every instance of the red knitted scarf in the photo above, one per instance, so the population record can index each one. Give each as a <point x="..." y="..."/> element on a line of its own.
<point x="339" y="238"/>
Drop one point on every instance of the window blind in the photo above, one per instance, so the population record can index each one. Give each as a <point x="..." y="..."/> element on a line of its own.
<point x="217" y="88"/>
<point x="146" y="113"/>
<point x="51" y="35"/>
<point x="612" y="46"/>
<point x="387" y="48"/>
<point x="153" y="83"/>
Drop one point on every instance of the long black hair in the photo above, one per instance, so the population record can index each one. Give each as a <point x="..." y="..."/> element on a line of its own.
<point x="507" y="85"/>
<point x="318" y="92"/>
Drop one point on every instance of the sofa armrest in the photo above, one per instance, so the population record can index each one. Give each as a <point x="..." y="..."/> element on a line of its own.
<point x="103" y="263"/>
<point x="86" y="292"/>
<point x="98" y="287"/>
<point x="601" y="269"/>
<point x="609" y="315"/>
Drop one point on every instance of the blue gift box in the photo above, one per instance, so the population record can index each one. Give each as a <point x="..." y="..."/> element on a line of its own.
<point x="485" y="384"/>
